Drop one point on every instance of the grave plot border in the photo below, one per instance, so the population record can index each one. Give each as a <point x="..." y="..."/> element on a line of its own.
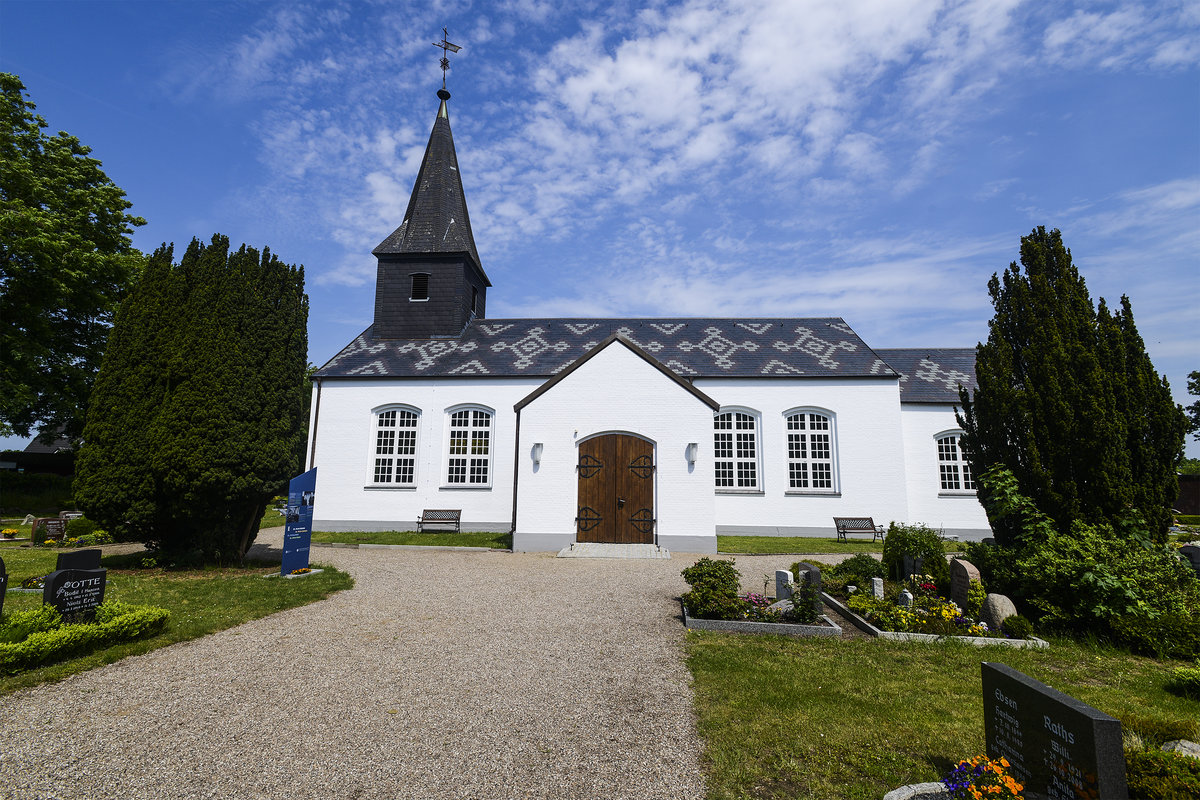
<point x="904" y="636"/>
<point x="830" y="628"/>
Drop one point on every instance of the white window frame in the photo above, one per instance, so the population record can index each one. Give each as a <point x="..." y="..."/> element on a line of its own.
<point x="473" y="461"/>
<point x="736" y="459"/>
<point x="814" y="449"/>
<point x="953" y="466"/>
<point x="397" y="414"/>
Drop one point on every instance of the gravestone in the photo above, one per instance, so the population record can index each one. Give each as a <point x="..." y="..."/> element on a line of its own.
<point x="961" y="574"/>
<point x="783" y="585"/>
<point x="811" y="574"/>
<point x="75" y="592"/>
<point x="3" y="584"/>
<point x="877" y="588"/>
<point x="996" y="609"/>
<point x="79" y="559"/>
<point x="911" y="566"/>
<point x="1192" y="553"/>
<point x="1058" y="747"/>
<point x="905" y="600"/>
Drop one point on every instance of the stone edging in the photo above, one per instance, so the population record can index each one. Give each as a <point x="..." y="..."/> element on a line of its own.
<point x="897" y="636"/>
<point x="934" y="790"/>
<point x="781" y="628"/>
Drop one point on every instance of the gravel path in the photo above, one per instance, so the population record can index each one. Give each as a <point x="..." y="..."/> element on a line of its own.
<point x="440" y="675"/>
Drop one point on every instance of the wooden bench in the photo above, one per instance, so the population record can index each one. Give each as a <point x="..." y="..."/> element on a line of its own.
<point x="846" y="525"/>
<point x="440" y="516"/>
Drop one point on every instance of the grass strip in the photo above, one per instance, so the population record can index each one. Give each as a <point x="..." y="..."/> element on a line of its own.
<point x="494" y="541"/>
<point x="201" y="601"/>
<point x="826" y="719"/>
<point x="770" y="545"/>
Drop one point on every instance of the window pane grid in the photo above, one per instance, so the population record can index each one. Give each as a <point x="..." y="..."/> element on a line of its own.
<point x="470" y="447"/>
<point x="810" y="451"/>
<point x="954" y="471"/>
<point x="395" y="447"/>
<point x="735" y="450"/>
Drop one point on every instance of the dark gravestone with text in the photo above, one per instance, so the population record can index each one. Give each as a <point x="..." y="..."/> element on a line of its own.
<point x="75" y="592"/>
<point x="1059" y="747"/>
<point x="3" y="584"/>
<point x="79" y="559"/>
<point x="1192" y="553"/>
<point x="813" y="578"/>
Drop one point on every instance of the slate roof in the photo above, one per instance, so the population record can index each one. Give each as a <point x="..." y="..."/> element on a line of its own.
<point x="691" y="347"/>
<point x="436" y="219"/>
<point x="932" y="375"/>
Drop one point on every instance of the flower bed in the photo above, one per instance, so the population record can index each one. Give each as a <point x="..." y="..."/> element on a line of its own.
<point x="909" y="636"/>
<point x="823" y="627"/>
<point x="714" y="604"/>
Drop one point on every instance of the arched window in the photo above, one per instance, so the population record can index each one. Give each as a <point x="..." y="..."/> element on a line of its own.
<point x="811" y="451"/>
<point x="736" y="450"/>
<point x="395" y="452"/>
<point x="955" y="472"/>
<point x="469" y="447"/>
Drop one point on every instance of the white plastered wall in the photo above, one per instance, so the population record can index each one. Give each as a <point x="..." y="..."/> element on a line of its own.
<point x="955" y="513"/>
<point x="869" y="464"/>
<point x="344" y="450"/>
<point x="615" y="391"/>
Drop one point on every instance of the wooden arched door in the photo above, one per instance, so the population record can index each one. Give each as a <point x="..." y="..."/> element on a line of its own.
<point x="616" y="490"/>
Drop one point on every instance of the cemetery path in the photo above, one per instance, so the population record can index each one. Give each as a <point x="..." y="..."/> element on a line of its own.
<point x="440" y="675"/>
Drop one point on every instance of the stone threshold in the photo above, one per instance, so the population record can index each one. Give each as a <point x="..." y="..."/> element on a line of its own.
<point x="604" y="550"/>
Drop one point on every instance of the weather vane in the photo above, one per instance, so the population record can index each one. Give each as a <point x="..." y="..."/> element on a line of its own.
<point x="447" y="47"/>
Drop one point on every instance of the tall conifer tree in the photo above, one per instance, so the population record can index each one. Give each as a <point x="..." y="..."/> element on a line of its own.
<point x="1068" y="398"/>
<point x="218" y="346"/>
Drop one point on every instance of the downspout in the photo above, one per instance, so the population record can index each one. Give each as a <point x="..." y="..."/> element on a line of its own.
<point x="316" y="415"/>
<point x="516" y="473"/>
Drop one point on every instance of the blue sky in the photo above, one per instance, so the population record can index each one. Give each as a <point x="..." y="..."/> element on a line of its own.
<point x="876" y="160"/>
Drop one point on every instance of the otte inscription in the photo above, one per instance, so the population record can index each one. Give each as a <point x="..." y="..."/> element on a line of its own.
<point x="75" y="592"/>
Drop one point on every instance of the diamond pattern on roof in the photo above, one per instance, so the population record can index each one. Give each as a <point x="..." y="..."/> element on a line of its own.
<point x="776" y="348"/>
<point x="932" y="375"/>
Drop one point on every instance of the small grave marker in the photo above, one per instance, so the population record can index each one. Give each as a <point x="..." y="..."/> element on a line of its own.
<point x="961" y="574"/>
<point x="79" y="559"/>
<point x="810" y="573"/>
<point x="75" y="592"/>
<point x="1059" y="747"/>
<point x="905" y="600"/>
<point x="877" y="588"/>
<point x="3" y="584"/>
<point x="783" y="585"/>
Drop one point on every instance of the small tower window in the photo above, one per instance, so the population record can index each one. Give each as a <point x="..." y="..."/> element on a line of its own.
<point x="474" y="300"/>
<point x="420" y="286"/>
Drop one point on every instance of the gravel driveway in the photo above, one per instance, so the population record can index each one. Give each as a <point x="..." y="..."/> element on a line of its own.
<point x="440" y="675"/>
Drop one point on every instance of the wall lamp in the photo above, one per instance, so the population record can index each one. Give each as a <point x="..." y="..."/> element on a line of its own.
<point x="692" y="449"/>
<point x="537" y="453"/>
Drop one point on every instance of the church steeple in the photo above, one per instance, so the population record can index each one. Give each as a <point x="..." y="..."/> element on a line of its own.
<point x="430" y="281"/>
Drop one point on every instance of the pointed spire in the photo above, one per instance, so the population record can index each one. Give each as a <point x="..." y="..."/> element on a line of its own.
<point x="436" y="220"/>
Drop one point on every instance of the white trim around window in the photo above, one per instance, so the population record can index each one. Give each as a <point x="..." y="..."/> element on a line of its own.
<point x="810" y="442"/>
<point x="737" y="451"/>
<point x="470" y="447"/>
<point x="954" y="472"/>
<point x="395" y="434"/>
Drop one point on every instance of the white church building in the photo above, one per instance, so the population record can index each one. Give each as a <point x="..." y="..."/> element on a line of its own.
<point x="662" y="431"/>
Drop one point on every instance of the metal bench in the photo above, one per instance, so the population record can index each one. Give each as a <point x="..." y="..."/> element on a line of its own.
<point x="440" y="516"/>
<point x="846" y="525"/>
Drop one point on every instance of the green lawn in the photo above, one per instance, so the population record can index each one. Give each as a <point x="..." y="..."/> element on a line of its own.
<point x="494" y="541"/>
<point x="200" y="601"/>
<point x="812" y="718"/>
<point x="767" y="545"/>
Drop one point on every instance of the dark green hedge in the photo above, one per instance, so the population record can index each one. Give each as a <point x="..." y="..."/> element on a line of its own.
<point x="31" y="638"/>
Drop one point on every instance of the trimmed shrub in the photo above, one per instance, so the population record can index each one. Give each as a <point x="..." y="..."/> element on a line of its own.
<point x="859" y="569"/>
<point x="976" y="594"/>
<point x="1185" y="681"/>
<point x="115" y="622"/>
<point x="78" y="528"/>
<point x="1155" y="775"/>
<point x="1017" y="627"/>
<point x="714" y="593"/>
<point x="1157" y="731"/>
<point x="917" y="541"/>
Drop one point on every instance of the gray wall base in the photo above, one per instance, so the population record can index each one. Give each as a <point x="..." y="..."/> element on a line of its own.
<point x="541" y="542"/>
<point x="353" y="525"/>
<point x="689" y="544"/>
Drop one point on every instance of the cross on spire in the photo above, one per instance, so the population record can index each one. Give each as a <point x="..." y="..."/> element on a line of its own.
<point x="447" y="47"/>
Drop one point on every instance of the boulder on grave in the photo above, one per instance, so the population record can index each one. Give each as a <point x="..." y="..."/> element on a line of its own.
<point x="783" y="585"/>
<point x="75" y="592"/>
<point x="996" y="609"/>
<point x="962" y="572"/>
<point x="1182" y="747"/>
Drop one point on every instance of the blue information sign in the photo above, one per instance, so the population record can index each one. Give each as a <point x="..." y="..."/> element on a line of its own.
<point x="297" y="532"/>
